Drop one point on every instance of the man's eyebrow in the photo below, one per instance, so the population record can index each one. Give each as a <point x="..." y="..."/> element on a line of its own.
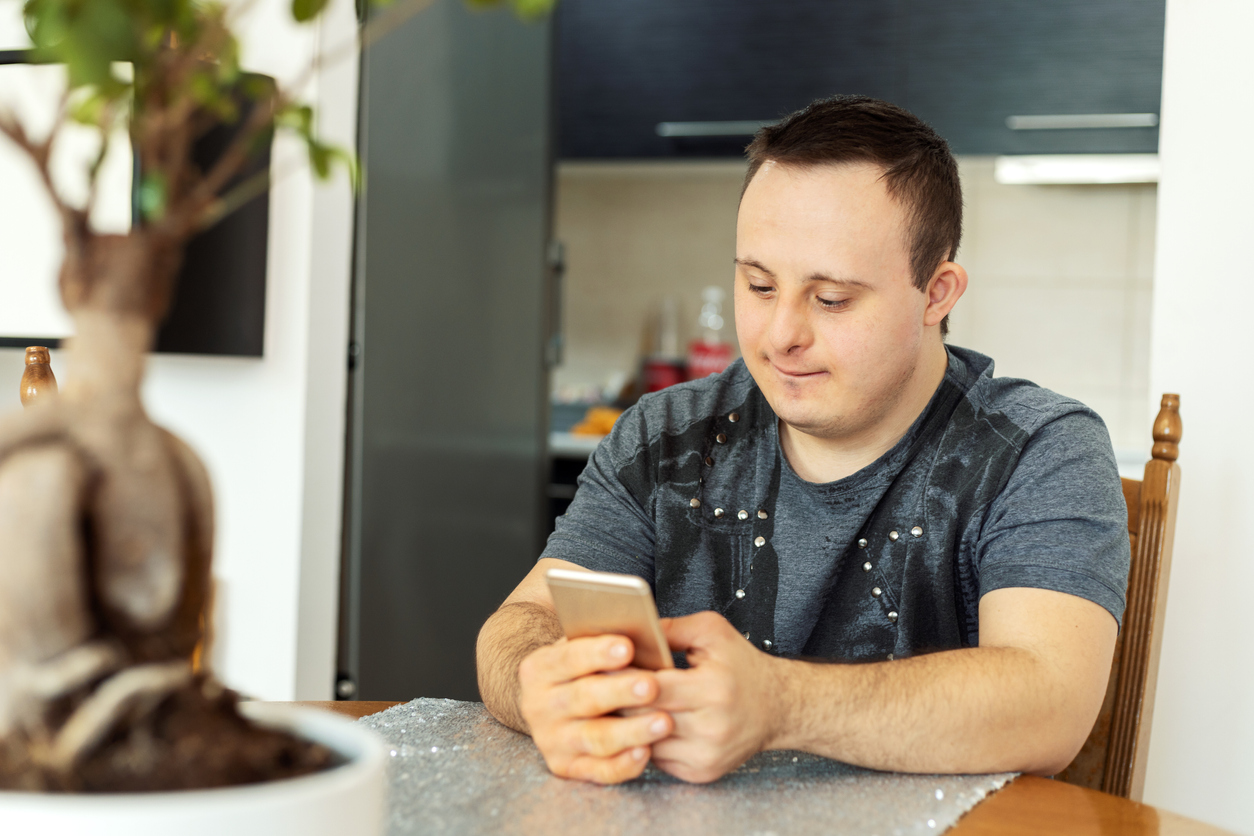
<point x="823" y="277"/>
<point x="756" y="265"/>
<point x="813" y="277"/>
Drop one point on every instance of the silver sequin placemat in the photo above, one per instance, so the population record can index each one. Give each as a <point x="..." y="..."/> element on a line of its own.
<point x="456" y="770"/>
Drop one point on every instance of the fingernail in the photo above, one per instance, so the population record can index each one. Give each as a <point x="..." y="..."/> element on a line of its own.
<point x="658" y="726"/>
<point x="639" y="753"/>
<point x="618" y="651"/>
<point x="641" y="688"/>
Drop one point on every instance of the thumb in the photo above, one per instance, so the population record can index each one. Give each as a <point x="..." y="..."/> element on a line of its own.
<point x="693" y="632"/>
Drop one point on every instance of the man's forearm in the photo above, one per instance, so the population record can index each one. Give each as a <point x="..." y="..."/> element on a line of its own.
<point x="508" y="637"/>
<point x="984" y="709"/>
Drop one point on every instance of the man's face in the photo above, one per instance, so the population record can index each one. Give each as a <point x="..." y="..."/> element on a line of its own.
<point x="829" y="321"/>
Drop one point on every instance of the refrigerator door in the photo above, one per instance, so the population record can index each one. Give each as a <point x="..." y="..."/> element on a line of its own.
<point x="448" y="413"/>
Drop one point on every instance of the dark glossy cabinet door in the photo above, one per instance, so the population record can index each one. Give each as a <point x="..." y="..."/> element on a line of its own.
<point x="973" y="64"/>
<point x="624" y="66"/>
<point x="966" y="66"/>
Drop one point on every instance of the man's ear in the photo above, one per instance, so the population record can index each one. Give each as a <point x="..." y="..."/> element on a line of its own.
<point x="946" y="287"/>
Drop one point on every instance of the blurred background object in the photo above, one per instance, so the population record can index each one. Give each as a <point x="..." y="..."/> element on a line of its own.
<point x="38" y="382"/>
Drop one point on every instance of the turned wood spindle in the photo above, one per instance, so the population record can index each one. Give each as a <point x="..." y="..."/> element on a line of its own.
<point x="1167" y="430"/>
<point x="38" y="381"/>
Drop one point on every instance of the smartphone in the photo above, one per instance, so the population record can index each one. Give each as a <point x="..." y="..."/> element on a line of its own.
<point x="596" y="603"/>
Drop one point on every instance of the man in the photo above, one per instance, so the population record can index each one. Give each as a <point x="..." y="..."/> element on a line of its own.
<point x="852" y="492"/>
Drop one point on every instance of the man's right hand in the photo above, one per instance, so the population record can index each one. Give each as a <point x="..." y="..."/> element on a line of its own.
<point x="569" y="693"/>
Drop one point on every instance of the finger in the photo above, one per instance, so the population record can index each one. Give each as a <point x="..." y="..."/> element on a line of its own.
<point x="688" y="728"/>
<point x="638" y="711"/>
<point x="607" y="737"/>
<point x="568" y="660"/>
<point x="694" y="631"/>
<point x="686" y="690"/>
<point x="687" y="760"/>
<point x="622" y="767"/>
<point x="688" y="773"/>
<point x="596" y="695"/>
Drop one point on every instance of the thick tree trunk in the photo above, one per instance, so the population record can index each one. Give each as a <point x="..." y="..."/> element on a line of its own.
<point x="105" y="524"/>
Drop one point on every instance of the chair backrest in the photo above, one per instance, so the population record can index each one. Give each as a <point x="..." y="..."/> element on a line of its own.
<point x="1114" y="756"/>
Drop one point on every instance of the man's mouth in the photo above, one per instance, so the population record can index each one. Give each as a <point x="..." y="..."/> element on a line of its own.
<point x="795" y="373"/>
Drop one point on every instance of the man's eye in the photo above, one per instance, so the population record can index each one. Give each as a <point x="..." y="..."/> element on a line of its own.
<point x="760" y="289"/>
<point x="833" y="304"/>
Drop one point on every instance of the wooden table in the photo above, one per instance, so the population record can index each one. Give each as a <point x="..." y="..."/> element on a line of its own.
<point x="1029" y="806"/>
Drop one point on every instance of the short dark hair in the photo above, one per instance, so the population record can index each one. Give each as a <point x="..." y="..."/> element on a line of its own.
<point x="919" y="169"/>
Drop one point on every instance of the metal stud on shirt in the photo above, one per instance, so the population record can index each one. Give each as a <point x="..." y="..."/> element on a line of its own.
<point x="766" y="644"/>
<point x="718" y="512"/>
<point x="734" y="417"/>
<point x="740" y="593"/>
<point x="862" y="543"/>
<point x="721" y="438"/>
<point x="892" y="616"/>
<point x="876" y="592"/>
<point x="917" y="531"/>
<point x="893" y="535"/>
<point x="866" y="567"/>
<point x="760" y="541"/>
<point x="762" y="514"/>
<point x="709" y="462"/>
<point x="695" y="503"/>
<point x="742" y="514"/>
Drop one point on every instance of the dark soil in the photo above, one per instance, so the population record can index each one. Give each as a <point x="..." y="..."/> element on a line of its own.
<point x="195" y="739"/>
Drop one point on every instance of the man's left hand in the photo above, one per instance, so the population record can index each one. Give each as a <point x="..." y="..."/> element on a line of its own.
<point x="722" y="704"/>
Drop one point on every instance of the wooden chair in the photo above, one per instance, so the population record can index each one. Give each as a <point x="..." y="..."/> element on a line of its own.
<point x="1114" y="756"/>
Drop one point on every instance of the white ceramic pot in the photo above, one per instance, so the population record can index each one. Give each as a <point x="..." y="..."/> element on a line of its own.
<point x="345" y="801"/>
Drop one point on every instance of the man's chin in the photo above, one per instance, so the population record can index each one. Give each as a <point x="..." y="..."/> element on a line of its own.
<point x="806" y="422"/>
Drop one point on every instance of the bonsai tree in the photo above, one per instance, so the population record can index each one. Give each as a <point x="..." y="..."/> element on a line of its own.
<point x="106" y="520"/>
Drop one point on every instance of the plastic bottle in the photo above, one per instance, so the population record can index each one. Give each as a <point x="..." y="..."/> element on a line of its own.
<point x="711" y="352"/>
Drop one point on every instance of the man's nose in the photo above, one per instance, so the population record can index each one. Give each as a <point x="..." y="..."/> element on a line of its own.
<point x="790" y="326"/>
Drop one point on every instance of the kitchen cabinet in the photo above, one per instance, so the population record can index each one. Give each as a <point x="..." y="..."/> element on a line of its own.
<point x="625" y="66"/>
<point x="661" y="78"/>
<point x="973" y="65"/>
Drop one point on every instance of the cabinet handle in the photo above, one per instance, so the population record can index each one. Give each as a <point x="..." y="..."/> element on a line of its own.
<point x="554" y="349"/>
<point x="1073" y="121"/>
<point x="734" y="128"/>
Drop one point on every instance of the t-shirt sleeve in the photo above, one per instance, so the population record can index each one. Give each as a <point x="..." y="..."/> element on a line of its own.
<point x="609" y="525"/>
<point x="1061" y="522"/>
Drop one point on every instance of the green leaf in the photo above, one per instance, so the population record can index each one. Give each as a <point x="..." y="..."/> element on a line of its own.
<point x="306" y="10"/>
<point x="45" y="23"/>
<point x="152" y="196"/>
<point x="256" y="87"/>
<point x="228" y="69"/>
<point x="298" y="118"/>
<point x="90" y="109"/>
<point x="532" y="9"/>
<point x="528" y="10"/>
<point x="350" y="162"/>
<point x="320" y="159"/>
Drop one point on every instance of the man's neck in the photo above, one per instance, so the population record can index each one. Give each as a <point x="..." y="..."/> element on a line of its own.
<point x="820" y="459"/>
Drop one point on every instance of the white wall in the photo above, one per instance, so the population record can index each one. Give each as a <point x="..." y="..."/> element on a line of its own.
<point x="271" y="430"/>
<point x="1202" y="750"/>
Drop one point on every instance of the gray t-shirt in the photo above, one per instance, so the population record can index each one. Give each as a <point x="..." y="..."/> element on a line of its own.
<point x="999" y="483"/>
